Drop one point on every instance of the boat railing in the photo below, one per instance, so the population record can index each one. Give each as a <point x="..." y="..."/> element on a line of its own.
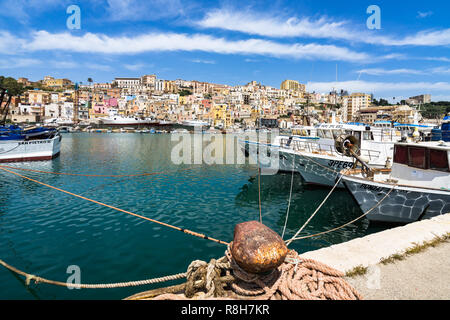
<point x="371" y="154"/>
<point x="320" y="148"/>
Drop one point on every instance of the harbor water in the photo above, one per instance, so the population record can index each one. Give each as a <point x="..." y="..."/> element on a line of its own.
<point x="44" y="231"/>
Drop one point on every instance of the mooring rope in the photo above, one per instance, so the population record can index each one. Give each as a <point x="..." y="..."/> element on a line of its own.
<point x="18" y="145"/>
<point x="295" y="279"/>
<point x="192" y="233"/>
<point x="259" y="194"/>
<point x="31" y="277"/>
<point x="348" y="223"/>
<point x="290" y="197"/>
<point x="91" y="175"/>
<point x="317" y="210"/>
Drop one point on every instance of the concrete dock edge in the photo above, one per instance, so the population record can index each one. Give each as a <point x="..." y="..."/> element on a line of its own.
<point x="371" y="249"/>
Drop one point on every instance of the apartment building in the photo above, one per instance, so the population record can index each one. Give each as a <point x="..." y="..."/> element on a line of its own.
<point x="355" y="102"/>
<point x="292" y="85"/>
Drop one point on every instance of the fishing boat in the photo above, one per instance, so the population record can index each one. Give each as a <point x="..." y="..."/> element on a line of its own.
<point x="316" y="157"/>
<point x="408" y="129"/>
<point x="55" y="122"/>
<point x="118" y="120"/>
<point x="416" y="187"/>
<point x="28" y="144"/>
<point x="194" y="125"/>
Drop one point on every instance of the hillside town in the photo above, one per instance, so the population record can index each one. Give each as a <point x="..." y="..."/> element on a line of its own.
<point x="220" y="105"/>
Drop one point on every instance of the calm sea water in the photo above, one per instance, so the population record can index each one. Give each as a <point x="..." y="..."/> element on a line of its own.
<point x="43" y="231"/>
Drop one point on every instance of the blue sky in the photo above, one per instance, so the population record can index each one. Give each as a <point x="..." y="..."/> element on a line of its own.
<point x="234" y="42"/>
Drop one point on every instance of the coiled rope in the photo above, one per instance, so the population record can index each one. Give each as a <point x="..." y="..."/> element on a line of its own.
<point x="192" y="233"/>
<point x="295" y="279"/>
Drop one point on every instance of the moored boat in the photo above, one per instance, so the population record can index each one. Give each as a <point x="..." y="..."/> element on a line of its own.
<point x="28" y="144"/>
<point x="315" y="156"/>
<point x="416" y="187"/>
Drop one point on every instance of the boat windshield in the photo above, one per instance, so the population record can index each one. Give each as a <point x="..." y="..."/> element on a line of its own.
<point x="421" y="157"/>
<point x="325" y="133"/>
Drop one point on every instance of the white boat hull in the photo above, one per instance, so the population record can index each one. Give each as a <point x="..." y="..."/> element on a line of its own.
<point x="403" y="205"/>
<point x="316" y="171"/>
<point x="33" y="150"/>
<point x="127" y="122"/>
<point x="322" y="171"/>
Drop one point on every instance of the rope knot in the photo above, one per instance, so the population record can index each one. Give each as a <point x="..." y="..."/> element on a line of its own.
<point x="203" y="279"/>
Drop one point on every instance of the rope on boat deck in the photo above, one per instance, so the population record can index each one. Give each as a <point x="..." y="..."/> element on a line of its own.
<point x="192" y="233"/>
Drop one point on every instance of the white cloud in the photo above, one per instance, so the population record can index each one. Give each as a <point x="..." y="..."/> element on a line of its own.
<point x="381" y="71"/>
<point x="203" y="61"/>
<point x="159" y="42"/>
<point x="440" y="70"/>
<point x="444" y="59"/>
<point x="378" y="87"/>
<point x="98" y="66"/>
<point x="422" y="38"/>
<point x="281" y="27"/>
<point x="12" y="63"/>
<point x="134" y="67"/>
<point x="22" y="10"/>
<point x="64" y="64"/>
<point x="143" y="10"/>
<point x="267" y="25"/>
<point x="424" y="14"/>
<point x="9" y="43"/>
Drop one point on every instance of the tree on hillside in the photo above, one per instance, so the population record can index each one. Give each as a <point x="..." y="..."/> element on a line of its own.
<point x="381" y="102"/>
<point x="14" y="88"/>
<point x="435" y="110"/>
<point x="185" y="92"/>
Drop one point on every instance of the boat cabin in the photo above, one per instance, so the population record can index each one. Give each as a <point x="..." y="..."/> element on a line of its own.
<point x="423" y="156"/>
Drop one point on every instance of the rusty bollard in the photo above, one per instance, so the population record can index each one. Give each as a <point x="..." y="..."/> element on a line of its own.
<point x="256" y="248"/>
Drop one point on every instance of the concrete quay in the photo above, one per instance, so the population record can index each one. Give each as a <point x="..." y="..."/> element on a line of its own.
<point x="424" y="275"/>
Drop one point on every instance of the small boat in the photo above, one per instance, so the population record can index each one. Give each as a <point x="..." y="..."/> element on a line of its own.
<point x="115" y="119"/>
<point x="28" y="144"/>
<point x="416" y="187"/>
